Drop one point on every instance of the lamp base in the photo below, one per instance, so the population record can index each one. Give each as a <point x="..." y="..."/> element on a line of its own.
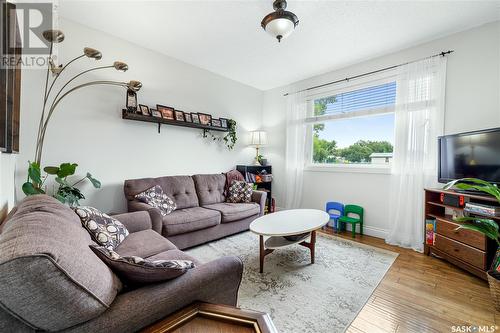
<point x="256" y="162"/>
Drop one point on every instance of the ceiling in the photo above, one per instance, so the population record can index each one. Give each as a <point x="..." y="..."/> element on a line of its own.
<point x="225" y="37"/>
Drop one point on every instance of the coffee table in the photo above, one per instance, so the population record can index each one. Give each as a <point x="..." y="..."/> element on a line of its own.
<point x="288" y="227"/>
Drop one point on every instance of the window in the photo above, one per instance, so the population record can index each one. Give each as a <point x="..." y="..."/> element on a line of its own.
<point x="354" y="126"/>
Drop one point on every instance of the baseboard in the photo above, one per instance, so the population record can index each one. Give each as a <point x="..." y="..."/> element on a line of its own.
<point x="372" y="231"/>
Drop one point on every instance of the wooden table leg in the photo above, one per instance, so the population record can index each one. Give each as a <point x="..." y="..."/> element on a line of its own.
<point x="263" y="252"/>
<point x="311" y="245"/>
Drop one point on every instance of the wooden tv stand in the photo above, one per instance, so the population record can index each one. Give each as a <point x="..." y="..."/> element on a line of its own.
<point x="469" y="250"/>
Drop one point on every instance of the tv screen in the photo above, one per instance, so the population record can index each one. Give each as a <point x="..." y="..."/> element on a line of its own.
<point x="473" y="154"/>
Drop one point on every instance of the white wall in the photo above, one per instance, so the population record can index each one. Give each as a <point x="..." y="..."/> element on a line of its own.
<point x="7" y="169"/>
<point x="472" y="102"/>
<point x="87" y="127"/>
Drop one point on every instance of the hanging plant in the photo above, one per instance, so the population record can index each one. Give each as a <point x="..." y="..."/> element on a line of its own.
<point x="229" y="139"/>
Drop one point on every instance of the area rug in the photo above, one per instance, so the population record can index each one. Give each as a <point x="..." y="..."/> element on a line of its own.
<point x="300" y="297"/>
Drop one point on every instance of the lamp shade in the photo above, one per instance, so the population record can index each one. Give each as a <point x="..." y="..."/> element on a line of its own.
<point x="279" y="23"/>
<point x="258" y="138"/>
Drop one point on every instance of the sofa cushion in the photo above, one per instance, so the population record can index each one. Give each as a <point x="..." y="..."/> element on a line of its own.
<point x="179" y="188"/>
<point x="190" y="219"/>
<point x="235" y="211"/>
<point x="175" y="255"/>
<point x="49" y="277"/>
<point x="210" y="188"/>
<point x="230" y="176"/>
<point x="144" y="243"/>
<point x="136" y="270"/>
<point x="104" y="229"/>
<point x="239" y="191"/>
<point x="155" y="197"/>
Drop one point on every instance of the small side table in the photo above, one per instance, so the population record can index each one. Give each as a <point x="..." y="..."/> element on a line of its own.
<point x="213" y="318"/>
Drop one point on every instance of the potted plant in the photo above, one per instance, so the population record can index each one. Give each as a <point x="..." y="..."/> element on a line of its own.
<point x="66" y="191"/>
<point x="486" y="226"/>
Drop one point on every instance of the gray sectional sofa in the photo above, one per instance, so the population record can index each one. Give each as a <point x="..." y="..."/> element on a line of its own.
<point x="50" y="280"/>
<point x="202" y="215"/>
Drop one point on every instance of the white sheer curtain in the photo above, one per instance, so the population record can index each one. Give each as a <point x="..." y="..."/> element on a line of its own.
<point x="296" y="113"/>
<point x="419" y="120"/>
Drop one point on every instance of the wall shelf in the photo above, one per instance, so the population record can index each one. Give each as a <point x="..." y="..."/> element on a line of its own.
<point x="160" y="121"/>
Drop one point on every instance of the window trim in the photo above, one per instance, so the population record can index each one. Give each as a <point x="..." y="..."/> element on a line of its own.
<point x="311" y="120"/>
<point x="349" y="168"/>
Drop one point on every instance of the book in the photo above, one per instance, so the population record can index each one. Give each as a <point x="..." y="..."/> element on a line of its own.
<point x="482" y="209"/>
<point x="430" y="231"/>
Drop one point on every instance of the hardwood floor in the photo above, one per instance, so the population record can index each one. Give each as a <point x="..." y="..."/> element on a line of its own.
<point x="423" y="294"/>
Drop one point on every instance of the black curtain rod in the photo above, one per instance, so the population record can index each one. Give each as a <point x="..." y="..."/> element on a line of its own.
<point x="442" y="54"/>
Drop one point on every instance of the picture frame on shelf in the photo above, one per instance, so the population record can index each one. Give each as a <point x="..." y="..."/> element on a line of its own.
<point x="156" y="113"/>
<point x="131" y="101"/>
<point x="187" y="117"/>
<point x="179" y="115"/>
<point x="224" y="122"/>
<point x="216" y="123"/>
<point x="144" y="110"/>
<point x="205" y="119"/>
<point x="195" y="118"/>
<point x="167" y="112"/>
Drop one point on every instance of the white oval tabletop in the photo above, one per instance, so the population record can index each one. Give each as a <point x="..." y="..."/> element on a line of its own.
<point x="289" y="222"/>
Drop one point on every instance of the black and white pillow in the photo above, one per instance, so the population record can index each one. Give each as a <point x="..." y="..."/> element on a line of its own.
<point x="136" y="270"/>
<point x="105" y="230"/>
<point x="239" y="192"/>
<point x="155" y="197"/>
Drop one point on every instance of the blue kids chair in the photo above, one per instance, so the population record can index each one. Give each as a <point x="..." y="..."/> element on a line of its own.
<point x="335" y="210"/>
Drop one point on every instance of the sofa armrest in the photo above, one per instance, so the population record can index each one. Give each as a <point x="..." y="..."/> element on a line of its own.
<point x="135" y="221"/>
<point x="154" y="214"/>
<point x="260" y="198"/>
<point x="217" y="281"/>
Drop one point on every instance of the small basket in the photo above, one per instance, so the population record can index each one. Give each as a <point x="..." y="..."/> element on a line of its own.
<point x="494" y="290"/>
<point x="266" y="178"/>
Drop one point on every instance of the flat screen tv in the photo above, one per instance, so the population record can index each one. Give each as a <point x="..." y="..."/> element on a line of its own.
<point x="472" y="154"/>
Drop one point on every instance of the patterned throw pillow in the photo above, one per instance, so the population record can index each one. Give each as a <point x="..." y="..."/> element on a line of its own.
<point x="155" y="197"/>
<point x="239" y="192"/>
<point x="104" y="229"/>
<point x="136" y="270"/>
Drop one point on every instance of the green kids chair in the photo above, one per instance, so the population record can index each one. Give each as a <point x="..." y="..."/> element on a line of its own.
<point x="349" y="211"/>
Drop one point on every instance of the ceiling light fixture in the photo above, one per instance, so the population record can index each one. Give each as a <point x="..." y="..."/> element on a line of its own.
<point x="280" y="23"/>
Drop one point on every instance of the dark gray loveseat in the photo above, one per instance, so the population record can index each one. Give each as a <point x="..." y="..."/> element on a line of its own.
<point x="202" y="215"/>
<point x="50" y="280"/>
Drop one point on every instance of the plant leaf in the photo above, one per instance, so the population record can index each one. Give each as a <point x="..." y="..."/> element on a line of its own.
<point x="29" y="189"/>
<point x="487" y="224"/>
<point x="478" y="229"/>
<point x="95" y="182"/>
<point x="66" y="169"/>
<point x="51" y="170"/>
<point x="34" y="173"/>
<point x="62" y="182"/>
<point x="475" y="184"/>
<point x="59" y="197"/>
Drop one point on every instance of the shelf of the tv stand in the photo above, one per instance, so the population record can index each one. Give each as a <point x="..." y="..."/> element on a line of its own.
<point x="472" y="196"/>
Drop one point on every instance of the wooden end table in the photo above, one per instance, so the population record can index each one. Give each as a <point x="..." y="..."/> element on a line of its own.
<point x="288" y="227"/>
<point x="213" y="318"/>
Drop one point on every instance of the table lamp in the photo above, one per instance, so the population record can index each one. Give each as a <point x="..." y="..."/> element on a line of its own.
<point x="257" y="139"/>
